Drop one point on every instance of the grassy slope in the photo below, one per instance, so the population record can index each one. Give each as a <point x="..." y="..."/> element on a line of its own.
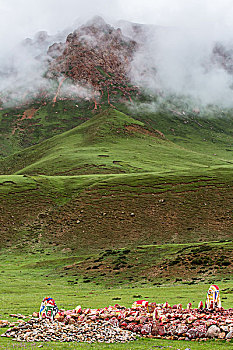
<point x="131" y="211"/>
<point x="95" y="211"/>
<point x="176" y="195"/>
<point x="25" y="126"/>
<point x="111" y="142"/>
<point x="210" y="132"/>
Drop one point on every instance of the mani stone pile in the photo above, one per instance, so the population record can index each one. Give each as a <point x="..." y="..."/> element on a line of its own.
<point x="45" y="330"/>
<point x="120" y="324"/>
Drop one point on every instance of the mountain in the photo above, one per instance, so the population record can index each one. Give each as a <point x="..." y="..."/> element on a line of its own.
<point x="89" y="70"/>
<point x="84" y="71"/>
<point x="97" y="56"/>
<point x="93" y="161"/>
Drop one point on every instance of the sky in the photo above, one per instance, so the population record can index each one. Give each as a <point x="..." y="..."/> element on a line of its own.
<point x="19" y="18"/>
<point x="179" y="55"/>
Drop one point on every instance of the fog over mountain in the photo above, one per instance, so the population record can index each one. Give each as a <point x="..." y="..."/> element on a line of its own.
<point x="183" y="48"/>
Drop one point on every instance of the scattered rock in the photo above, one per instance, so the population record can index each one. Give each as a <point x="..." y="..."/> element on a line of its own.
<point x="4" y="323"/>
<point x="66" y="250"/>
<point x="229" y="335"/>
<point x="213" y="332"/>
<point x="43" y="330"/>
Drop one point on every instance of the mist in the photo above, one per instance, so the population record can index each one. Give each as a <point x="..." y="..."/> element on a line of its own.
<point x="179" y="62"/>
<point x="175" y="55"/>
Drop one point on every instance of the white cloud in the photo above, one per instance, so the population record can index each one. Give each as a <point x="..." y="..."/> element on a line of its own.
<point x="24" y="17"/>
<point x="178" y="54"/>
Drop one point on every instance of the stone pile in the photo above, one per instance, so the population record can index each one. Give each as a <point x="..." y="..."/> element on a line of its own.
<point x="120" y="324"/>
<point x="193" y="324"/>
<point x="44" y="330"/>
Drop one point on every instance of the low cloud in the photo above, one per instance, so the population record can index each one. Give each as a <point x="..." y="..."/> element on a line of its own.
<point x="175" y="56"/>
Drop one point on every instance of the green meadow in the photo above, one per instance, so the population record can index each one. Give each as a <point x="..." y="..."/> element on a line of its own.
<point x="106" y="208"/>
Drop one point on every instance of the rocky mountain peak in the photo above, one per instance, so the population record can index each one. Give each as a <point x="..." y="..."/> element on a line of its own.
<point x="97" y="22"/>
<point x="222" y="56"/>
<point x="96" y="55"/>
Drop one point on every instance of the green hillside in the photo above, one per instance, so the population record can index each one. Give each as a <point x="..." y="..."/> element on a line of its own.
<point x="110" y="167"/>
<point x="111" y="142"/>
<point x="209" y="131"/>
<point x="24" y="126"/>
<point x="117" y="208"/>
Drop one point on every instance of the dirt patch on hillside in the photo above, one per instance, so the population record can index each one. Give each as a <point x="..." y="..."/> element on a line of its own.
<point x="29" y="113"/>
<point x="134" y="128"/>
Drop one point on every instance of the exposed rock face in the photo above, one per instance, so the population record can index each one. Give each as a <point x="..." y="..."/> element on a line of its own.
<point x="104" y="60"/>
<point x="95" y="55"/>
<point x="223" y="57"/>
<point x="56" y="49"/>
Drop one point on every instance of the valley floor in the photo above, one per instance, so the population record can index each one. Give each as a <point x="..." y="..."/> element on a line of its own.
<point x="25" y="279"/>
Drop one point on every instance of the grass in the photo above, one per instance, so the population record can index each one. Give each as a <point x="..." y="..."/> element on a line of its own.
<point x="98" y="146"/>
<point x="119" y="165"/>
<point x="152" y="182"/>
<point x="209" y="131"/>
<point x="42" y="271"/>
<point x="140" y="344"/>
<point x="47" y="120"/>
<point x="94" y="211"/>
<point x="156" y="264"/>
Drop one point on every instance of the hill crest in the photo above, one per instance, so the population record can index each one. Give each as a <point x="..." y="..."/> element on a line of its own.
<point x="106" y="132"/>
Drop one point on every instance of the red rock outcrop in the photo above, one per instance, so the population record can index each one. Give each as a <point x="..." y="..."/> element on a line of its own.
<point x="96" y="56"/>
